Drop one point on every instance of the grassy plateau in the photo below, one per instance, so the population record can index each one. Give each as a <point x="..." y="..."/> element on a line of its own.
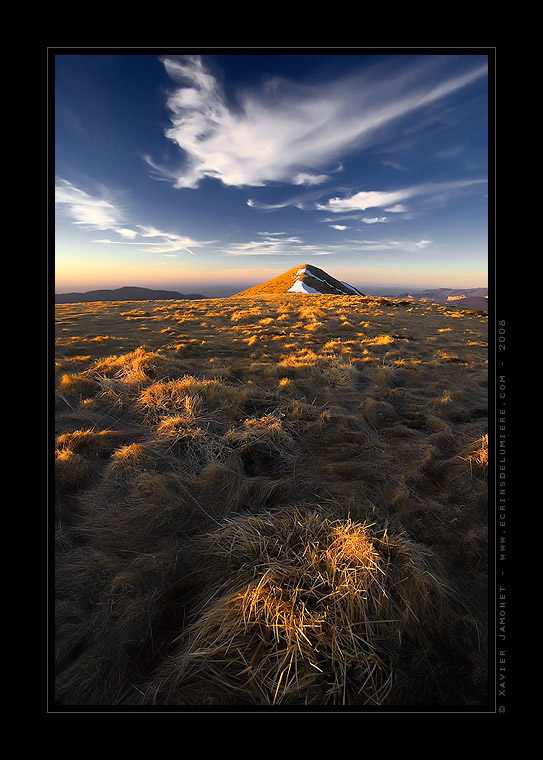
<point x="277" y="501"/>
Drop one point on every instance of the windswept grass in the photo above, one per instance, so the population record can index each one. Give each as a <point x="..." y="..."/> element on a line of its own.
<point x="271" y="501"/>
<point x="304" y="609"/>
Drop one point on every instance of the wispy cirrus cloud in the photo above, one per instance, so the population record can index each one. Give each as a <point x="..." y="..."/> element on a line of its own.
<point x="394" y="164"/>
<point x="370" y="246"/>
<point x="268" y="206"/>
<point x="303" y="178"/>
<point x="278" y="244"/>
<point x="275" y="244"/>
<point x="85" y="209"/>
<point x="127" y="233"/>
<point x="286" y="132"/>
<point x="305" y="201"/>
<point x="367" y="199"/>
<point x="170" y="241"/>
<point x="99" y="213"/>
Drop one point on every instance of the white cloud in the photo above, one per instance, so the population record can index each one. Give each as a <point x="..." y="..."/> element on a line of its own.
<point x="127" y="233"/>
<point x="94" y="212"/>
<point x="397" y="209"/>
<point x="339" y="226"/>
<point x="85" y="209"/>
<point x="171" y="241"/>
<point x="411" y="246"/>
<point x="267" y="206"/>
<point x="277" y="246"/>
<point x="309" y="179"/>
<point x="364" y="200"/>
<point x="374" y="219"/>
<point x="286" y="132"/>
<point x="394" y="164"/>
<point x="292" y="246"/>
<point x="149" y="231"/>
<point x="300" y="200"/>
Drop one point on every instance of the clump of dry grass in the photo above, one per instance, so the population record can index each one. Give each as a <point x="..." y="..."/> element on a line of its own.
<point x="99" y="443"/>
<point x="178" y="431"/>
<point x="78" y="385"/>
<point x="469" y="466"/>
<point x="264" y="445"/>
<point x="72" y="471"/>
<point x="379" y="340"/>
<point x="188" y="395"/>
<point x="305" y="610"/>
<point x="477" y="455"/>
<point x="135" y="367"/>
<point x="338" y="375"/>
<point x="377" y="413"/>
<point x="80" y="454"/>
<point x="189" y="442"/>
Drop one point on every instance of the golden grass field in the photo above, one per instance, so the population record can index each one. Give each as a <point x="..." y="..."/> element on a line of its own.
<point x="271" y="501"/>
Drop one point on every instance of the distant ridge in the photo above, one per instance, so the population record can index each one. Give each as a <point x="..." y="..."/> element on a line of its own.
<point x="305" y="280"/>
<point x="466" y="298"/>
<point x="126" y="293"/>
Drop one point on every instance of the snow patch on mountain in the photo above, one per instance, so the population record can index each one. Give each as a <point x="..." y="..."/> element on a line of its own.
<point x="300" y="287"/>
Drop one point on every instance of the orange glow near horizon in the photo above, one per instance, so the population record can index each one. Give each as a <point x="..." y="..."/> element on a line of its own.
<point x="93" y="274"/>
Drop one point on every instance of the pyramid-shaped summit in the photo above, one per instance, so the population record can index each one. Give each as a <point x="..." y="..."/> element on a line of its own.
<point x="306" y="280"/>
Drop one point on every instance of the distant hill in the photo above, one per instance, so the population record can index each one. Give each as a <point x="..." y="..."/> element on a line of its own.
<point x="305" y="280"/>
<point x="466" y="298"/>
<point x="471" y="302"/>
<point x="124" y="294"/>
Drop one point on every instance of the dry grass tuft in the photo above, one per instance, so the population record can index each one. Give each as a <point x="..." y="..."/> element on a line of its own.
<point x="72" y="471"/>
<point x="478" y="453"/>
<point x="308" y="610"/>
<point x="263" y="445"/>
<point x="189" y="396"/>
<point x="136" y="367"/>
<point x="78" y="385"/>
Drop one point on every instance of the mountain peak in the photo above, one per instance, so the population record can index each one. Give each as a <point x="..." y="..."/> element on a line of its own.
<point x="306" y="280"/>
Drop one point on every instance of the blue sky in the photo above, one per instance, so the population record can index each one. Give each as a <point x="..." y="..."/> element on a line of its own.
<point x="216" y="172"/>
